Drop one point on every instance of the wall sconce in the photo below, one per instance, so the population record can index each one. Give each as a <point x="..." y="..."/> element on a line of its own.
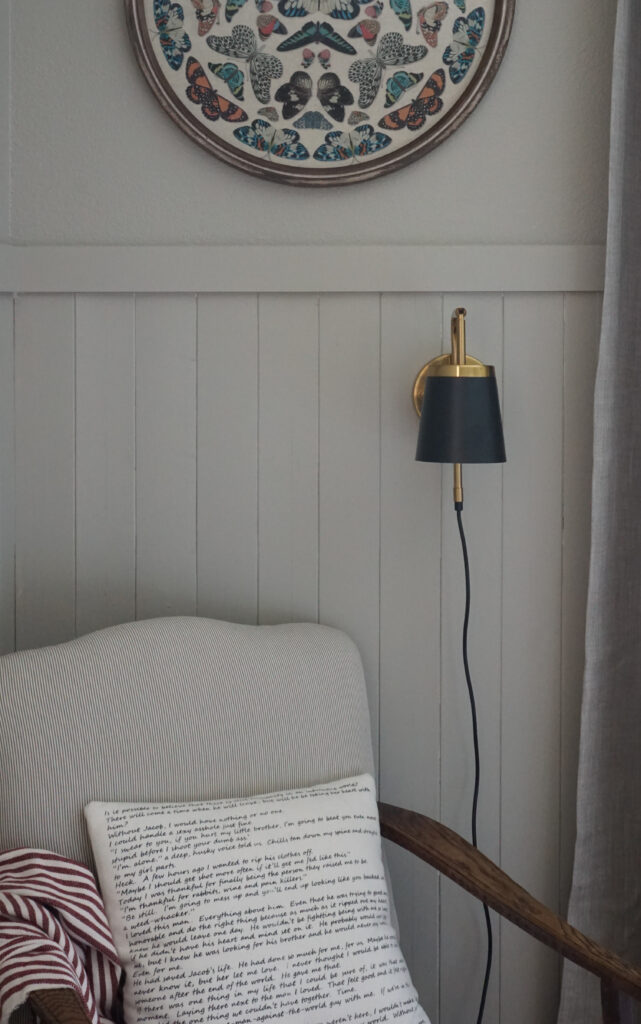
<point x="457" y="400"/>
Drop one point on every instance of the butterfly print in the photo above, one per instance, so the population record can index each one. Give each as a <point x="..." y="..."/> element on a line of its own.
<point x="374" y="10"/>
<point x="367" y="73"/>
<point x="366" y="29"/>
<point x="264" y="137"/>
<point x="264" y="6"/>
<point x="316" y="32"/>
<point x="268" y="24"/>
<point x="243" y="45"/>
<point x="269" y="112"/>
<point x="173" y="39"/>
<point x="357" y="117"/>
<point x="429" y="21"/>
<point x="207" y="14"/>
<point x="398" y="84"/>
<point x="461" y="5"/>
<point x="467" y="37"/>
<point x="308" y="57"/>
<point x="295" y="94"/>
<point x="333" y="96"/>
<point x="325" y="58"/>
<point x="313" y="119"/>
<point x="231" y="74"/>
<point x="212" y="104"/>
<point x="427" y="103"/>
<point x="403" y="9"/>
<point x="350" y="145"/>
<point x="344" y="10"/>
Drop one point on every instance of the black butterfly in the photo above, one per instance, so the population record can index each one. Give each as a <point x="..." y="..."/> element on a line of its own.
<point x="333" y="96"/>
<point x="296" y="93"/>
<point x="316" y="32"/>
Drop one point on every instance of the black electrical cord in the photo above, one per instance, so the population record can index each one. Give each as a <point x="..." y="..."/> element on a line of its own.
<point x="477" y="763"/>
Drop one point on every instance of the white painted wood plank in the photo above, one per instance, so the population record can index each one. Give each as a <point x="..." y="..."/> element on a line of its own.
<point x="410" y="623"/>
<point x="45" y="541"/>
<point x="533" y="396"/>
<point x="7" y="480"/>
<point x="165" y="456"/>
<point x="349" y="524"/>
<point x="582" y="328"/>
<point x="228" y="457"/>
<point x="309" y="268"/>
<point x="463" y="932"/>
<point x="6" y="127"/>
<point x="288" y="459"/>
<point x="105" y="471"/>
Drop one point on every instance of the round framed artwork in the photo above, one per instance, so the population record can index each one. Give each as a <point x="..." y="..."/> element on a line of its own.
<point x="319" y="92"/>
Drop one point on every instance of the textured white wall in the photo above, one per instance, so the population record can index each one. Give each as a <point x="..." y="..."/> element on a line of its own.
<point x="96" y="160"/>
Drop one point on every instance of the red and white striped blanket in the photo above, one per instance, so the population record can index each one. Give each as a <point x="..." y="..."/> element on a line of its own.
<point x="54" y="934"/>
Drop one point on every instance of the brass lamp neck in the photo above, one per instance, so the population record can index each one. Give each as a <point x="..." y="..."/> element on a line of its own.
<point x="458" y="359"/>
<point x="458" y="337"/>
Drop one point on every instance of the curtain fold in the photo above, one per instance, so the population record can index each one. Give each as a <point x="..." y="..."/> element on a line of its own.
<point x="605" y="901"/>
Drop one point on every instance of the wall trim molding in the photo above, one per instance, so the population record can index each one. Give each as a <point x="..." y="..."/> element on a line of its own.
<point x="391" y="268"/>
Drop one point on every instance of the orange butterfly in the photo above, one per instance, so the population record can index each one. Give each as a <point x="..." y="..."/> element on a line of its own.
<point x="212" y="104"/>
<point x="427" y="103"/>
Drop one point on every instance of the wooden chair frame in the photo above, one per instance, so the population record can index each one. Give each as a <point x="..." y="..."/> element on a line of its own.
<point x="454" y="857"/>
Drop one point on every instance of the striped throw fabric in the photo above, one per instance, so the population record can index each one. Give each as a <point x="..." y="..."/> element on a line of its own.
<point x="54" y="934"/>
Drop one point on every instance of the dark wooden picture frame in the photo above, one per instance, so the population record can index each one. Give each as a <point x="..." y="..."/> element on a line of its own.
<point x="349" y="172"/>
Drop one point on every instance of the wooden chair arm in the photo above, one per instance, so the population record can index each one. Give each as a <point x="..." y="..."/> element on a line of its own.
<point x="454" y="857"/>
<point x="58" y="1006"/>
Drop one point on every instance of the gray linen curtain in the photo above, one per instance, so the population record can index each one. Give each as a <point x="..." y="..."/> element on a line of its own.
<point x="606" y="892"/>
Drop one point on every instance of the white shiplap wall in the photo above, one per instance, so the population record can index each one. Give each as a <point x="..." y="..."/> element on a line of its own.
<point x="250" y="456"/>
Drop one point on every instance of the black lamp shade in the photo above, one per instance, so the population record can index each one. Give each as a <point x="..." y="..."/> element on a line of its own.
<point x="460" y="421"/>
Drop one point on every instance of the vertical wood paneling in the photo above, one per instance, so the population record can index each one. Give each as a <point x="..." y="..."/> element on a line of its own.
<point x="105" y="500"/>
<point x="45" y="485"/>
<point x="349" y="477"/>
<point x="582" y="328"/>
<point x="7" y="480"/>
<point x="228" y="457"/>
<point x="263" y="468"/>
<point x="410" y="622"/>
<point x="463" y="934"/>
<point x="288" y="458"/>
<point x="165" y="455"/>
<point x="533" y="389"/>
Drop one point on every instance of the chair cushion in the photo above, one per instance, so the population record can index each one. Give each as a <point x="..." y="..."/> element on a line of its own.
<point x="173" y="709"/>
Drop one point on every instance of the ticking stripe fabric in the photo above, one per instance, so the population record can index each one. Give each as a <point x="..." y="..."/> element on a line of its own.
<point x="173" y="709"/>
<point x="54" y="934"/>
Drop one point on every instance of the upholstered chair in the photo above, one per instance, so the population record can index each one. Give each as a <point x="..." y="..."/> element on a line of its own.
<point x="182" y="709"/>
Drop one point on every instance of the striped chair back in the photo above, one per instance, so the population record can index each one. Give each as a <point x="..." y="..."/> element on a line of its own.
<point x="173" y="709"/>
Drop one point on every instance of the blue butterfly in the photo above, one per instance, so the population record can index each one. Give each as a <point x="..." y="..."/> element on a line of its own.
<point x="344" y="10"/>
<point x="313" y="119"/>
<point x="174" y="40"/>
<point x="461" y="5"/>
<point x="264" y="137"/>
<point x="403" y="9"/>
<point x="467" y="37"/>
<point x="359" y="142"/>
<point x="231" y="74"/>
<point x="398" y="84"/>
<point x="232" y="7"/>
